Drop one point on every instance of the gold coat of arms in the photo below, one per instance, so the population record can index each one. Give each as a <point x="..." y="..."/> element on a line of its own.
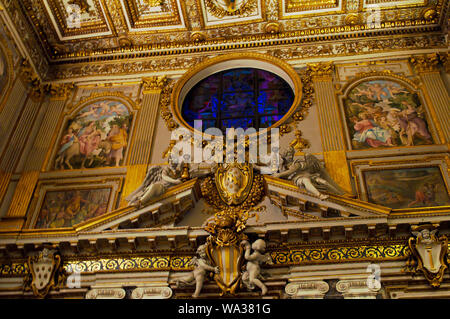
<point x="430" y="253"/>
<point x="234" y="182"/>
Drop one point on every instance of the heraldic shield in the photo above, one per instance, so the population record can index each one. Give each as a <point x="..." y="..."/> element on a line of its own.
<point x="234" y="182"/>
<point x="43" y="271"/>
<point x="430" y="252"/>
<point x="230" y="260"/>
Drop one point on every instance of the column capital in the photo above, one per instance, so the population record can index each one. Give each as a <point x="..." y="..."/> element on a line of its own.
<point x="445" y="58"/>
<point x="154" y="84"/>
<point x="27" y="73"/>
<point x="30" y="78"/>
<point x="323" y="70"/>
<point x="60" y="91"/>
<point x="425" y="63"/>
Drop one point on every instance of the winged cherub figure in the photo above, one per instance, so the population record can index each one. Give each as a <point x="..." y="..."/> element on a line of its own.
<point x="156" y="183"/>
<point x="308" y="173"/>
<point x="252" y="276"/>
<point x="198" y="275"/>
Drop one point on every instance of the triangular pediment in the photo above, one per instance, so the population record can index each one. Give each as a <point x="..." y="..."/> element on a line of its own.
<point x="183" y="206"/>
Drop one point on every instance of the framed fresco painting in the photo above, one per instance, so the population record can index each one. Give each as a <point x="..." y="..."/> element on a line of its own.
<point x="95" y="135"/>
<point x="64" y="205"/>
<point x="404" y="186"/>
<point x="382" y="112"/>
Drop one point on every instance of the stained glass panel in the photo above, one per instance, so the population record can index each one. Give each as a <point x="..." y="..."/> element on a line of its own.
<point x="241" y="97"/>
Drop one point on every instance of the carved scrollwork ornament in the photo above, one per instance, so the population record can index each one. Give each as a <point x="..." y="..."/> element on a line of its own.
<point x="46" y="272"/>
<point x="428" y="254"/>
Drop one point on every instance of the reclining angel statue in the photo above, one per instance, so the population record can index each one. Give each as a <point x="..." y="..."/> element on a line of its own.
<point x="156" y="183"/>
<point x="308" y="173"/>
<point x="160" y="178"/>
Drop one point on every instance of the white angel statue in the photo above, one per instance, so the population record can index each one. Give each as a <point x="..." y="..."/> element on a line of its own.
<point x="252" y="276"/>
<point x="201" y="268"/>
<point x="308" y="173"/>
<point x="156" y="183"/>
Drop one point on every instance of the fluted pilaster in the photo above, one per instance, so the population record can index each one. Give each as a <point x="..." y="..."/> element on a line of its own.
<point x="333" y="142"/>
<point x="427" y="66"/>
<point x="141" y="147"/>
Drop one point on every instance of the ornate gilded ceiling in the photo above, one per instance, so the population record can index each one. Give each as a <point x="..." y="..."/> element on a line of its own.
<point x="94" y="30"/>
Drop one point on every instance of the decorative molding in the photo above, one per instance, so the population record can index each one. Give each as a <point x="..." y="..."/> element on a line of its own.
<point x="340" y="254"/>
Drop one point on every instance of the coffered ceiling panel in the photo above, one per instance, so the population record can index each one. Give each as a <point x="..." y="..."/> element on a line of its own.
<point x="223" y="12"/>
<point x="77" y="19"/>
<point x="148" y="15"/>
<point x="294" y="8"/>
<point x="76" y="31"/>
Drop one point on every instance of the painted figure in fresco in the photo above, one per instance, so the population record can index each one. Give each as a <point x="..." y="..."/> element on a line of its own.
<point x="368" y="132"/>
<point x="382" y="113"/>
<point x="156" y="183"/>
<point x="198" y="275"/>
<point x="68" y="208"/>
<point x="413" y="124"/>
<point x="425" y="196"/>
<point x="252" y="276"/>
<point x="406" y="187"/>
<point x="97" y="136"/>
<point x="118" y="138"/>
<point x="308" y="173"/>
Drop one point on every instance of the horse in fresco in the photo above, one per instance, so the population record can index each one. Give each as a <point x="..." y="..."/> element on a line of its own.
<point x="87" y="153"/>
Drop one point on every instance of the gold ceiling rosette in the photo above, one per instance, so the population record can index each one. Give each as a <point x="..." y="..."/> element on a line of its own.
<point x="222" y="8"/>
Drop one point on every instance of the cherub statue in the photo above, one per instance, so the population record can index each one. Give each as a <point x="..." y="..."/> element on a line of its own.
<point x="198" y="275"/>
<point x="307" y="172"/>
<point x="252" y="276"/>
<point x="156" y="183"/>
<point x="425" y="236"/>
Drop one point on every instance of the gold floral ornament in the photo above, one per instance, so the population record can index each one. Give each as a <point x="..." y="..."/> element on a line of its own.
<point x="299" y="143"/>
<point x="428" y="254"/>
<point x="165" y="112"/>
<point x="222" y="8"/>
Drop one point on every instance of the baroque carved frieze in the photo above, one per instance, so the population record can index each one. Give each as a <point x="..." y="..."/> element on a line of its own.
<point x="183" y="62"/>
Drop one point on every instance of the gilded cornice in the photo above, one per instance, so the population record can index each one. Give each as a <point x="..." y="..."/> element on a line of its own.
<point x="184" y="61"/>
<point x="425" y="63"/>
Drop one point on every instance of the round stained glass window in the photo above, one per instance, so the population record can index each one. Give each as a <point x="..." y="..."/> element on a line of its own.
<point x="242" y="97"/>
